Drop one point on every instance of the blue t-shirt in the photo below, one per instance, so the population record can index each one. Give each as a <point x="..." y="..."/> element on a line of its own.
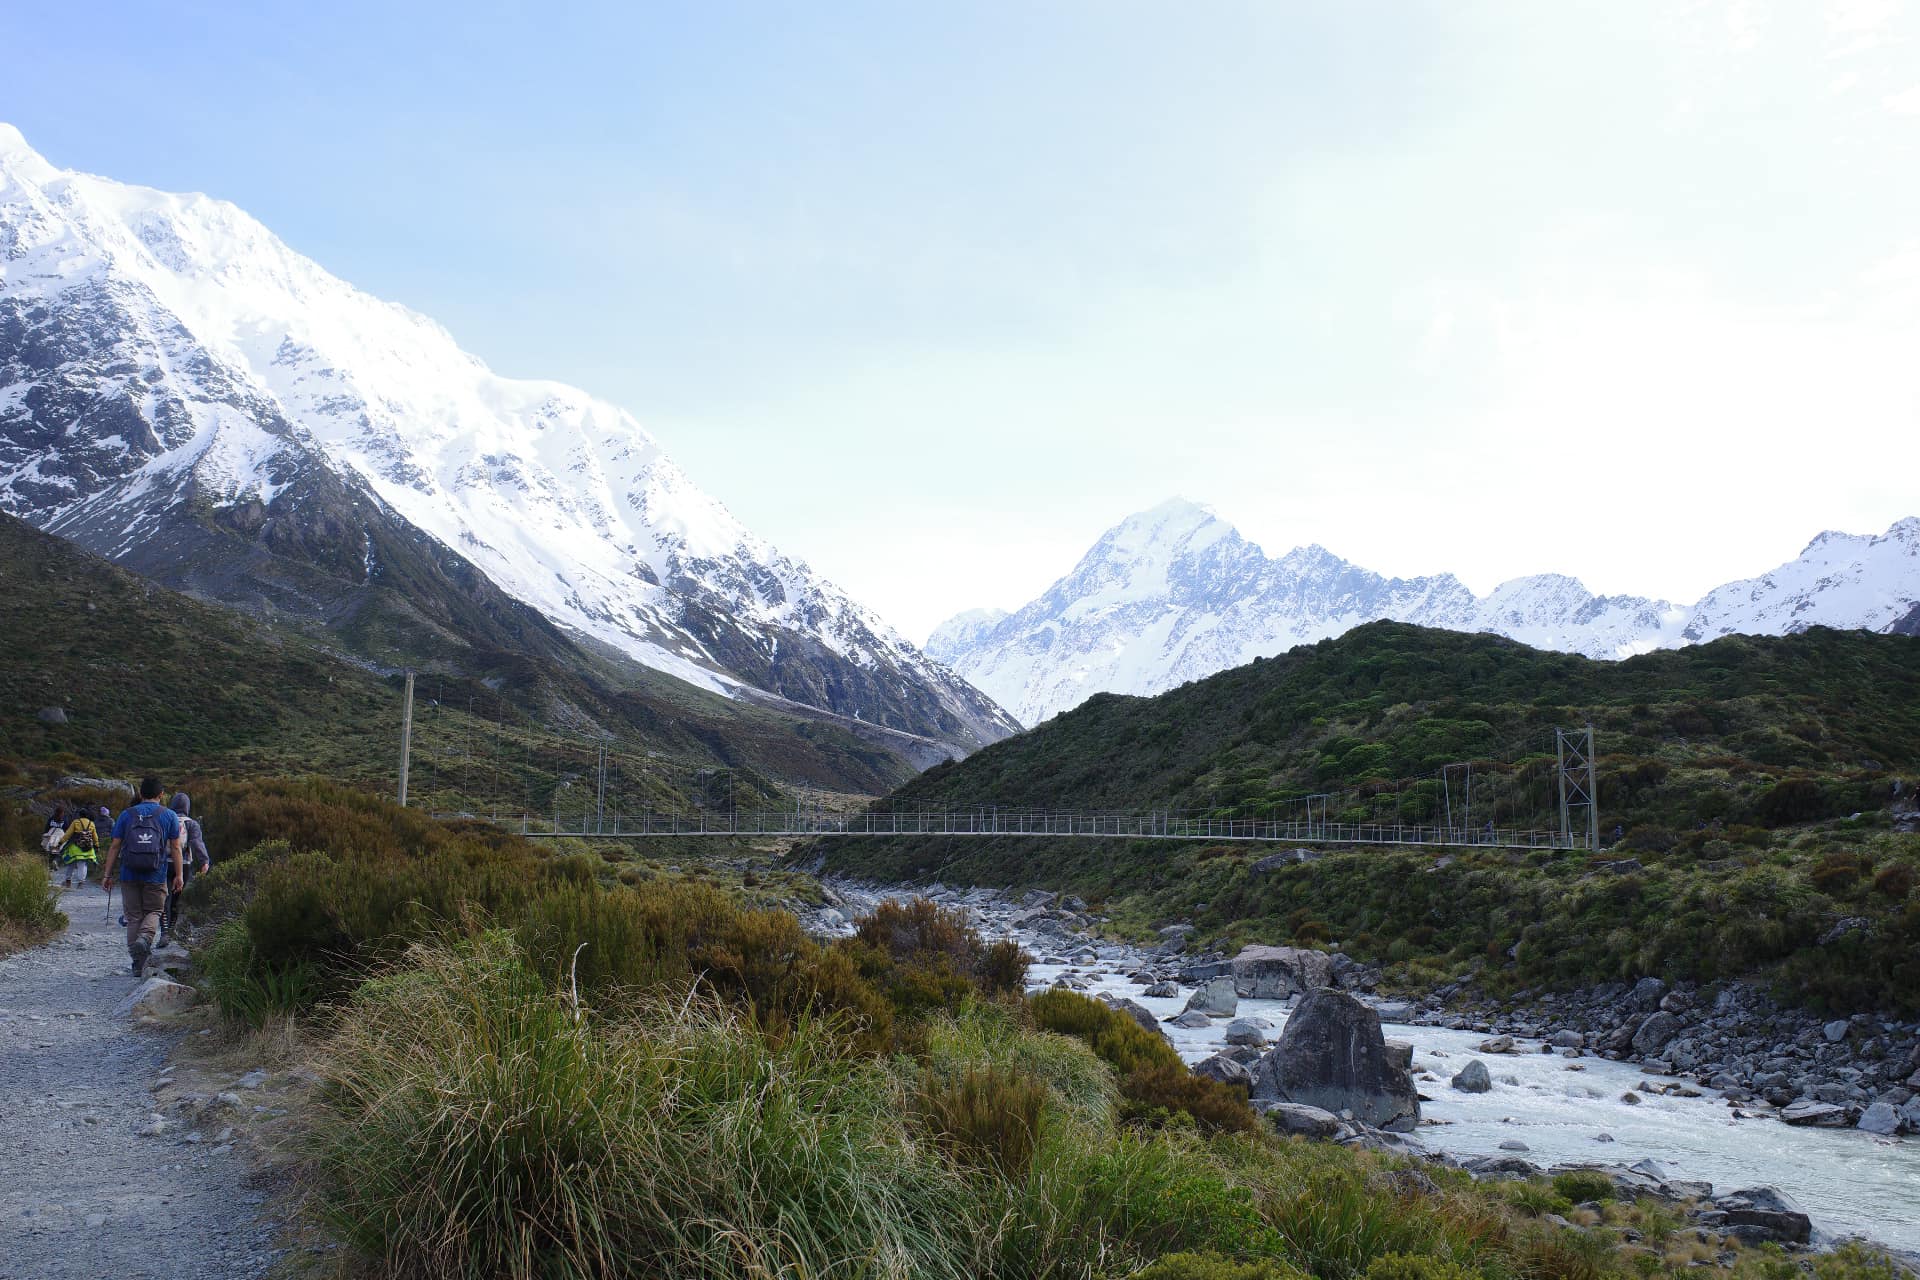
<point x="169" y="824"/>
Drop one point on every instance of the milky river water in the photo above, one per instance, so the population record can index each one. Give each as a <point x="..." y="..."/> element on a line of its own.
<point x="1850" y="1183"/>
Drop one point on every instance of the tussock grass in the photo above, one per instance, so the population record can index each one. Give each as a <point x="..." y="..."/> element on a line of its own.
<point x="481" y="1127"/>
<point x="28" y="915"/>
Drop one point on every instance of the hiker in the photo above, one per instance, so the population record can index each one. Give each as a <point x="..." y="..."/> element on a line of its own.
<point x="55" y="835"/>
<point x="146" y="848"/>
<point x="79" y="850"/>
<point x="194" y="843"/>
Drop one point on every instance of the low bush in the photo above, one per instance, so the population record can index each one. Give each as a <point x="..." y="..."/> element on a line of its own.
<point x="1583" y="1185"/>
<point x="1213" y="1266"/>
<point x="1414" y="1266"/>
<point x="986" y="1118"/>
<point x="27" y="898"/>
<point x="1155" y="1085"/>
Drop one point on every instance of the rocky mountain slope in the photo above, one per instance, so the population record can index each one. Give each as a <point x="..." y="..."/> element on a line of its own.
<point x="1175" y="594"/>
<point x="181" y="391"/>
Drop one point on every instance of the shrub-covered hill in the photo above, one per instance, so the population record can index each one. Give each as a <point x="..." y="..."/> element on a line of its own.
<point x="1685" y="736"/>
<point x="1735" y="768"/>
<point x="148" y="678"/>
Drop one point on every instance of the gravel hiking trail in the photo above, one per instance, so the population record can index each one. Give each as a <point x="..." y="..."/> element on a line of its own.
<point x="85" y="1190"/>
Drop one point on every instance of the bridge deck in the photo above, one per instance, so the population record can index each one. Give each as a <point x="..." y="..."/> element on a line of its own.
<point x="994" y="824"/>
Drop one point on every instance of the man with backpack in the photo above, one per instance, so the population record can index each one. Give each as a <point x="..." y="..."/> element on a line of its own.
<point x="146" y="847"/>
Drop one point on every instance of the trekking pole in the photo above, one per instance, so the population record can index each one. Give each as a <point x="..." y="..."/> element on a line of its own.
<point x="108" y="919"/>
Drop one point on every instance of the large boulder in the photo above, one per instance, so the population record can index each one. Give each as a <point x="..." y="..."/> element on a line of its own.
<point x="1761" y="1213"/>
<point x="153" y="997"/>
<point x="1139" y="1013"/>
<point x="1881" y="1118"/>
<point x="1307" y="1122"/>
<point x="1224" y="1069"/>
<point x="1248" y="1031"/>
<point x="1276" y="973"/>
<point x="1473" y="1078"/>
<point x="1655" y="1032"/>
<point x="1331" y="1055"/>
<point x="1814" y="1114"/>
<point x="1217" y="999"/>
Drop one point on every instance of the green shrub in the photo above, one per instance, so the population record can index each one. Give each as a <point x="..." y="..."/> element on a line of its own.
<point x="1583" y="1185"/>
<point x="1414" y="1266"/>
<point x="987" y="1118"/>
<point x="1896" y="881"/>
<point x="247" y="990"/>
<point x="27" y="898"/>
<point x="1213" y="1266"/>
<point x="1155" y="1084"/>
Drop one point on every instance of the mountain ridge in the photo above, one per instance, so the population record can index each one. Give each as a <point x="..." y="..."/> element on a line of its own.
<point x="1176" y="593"/>
<point x="152" y="342"/>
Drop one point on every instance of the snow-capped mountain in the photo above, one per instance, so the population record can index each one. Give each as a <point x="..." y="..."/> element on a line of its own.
<point x="164" y="357"/>
<point x="1175" y="594"/>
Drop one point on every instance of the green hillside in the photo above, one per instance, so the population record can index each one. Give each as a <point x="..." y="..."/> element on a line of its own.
<point x="1735" y="770"/>
<point x="147" y="678"/>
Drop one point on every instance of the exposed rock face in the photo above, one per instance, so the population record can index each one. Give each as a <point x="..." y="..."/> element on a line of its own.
<point x="1473" y="1078"/>
<point x="1331" y="1055"/>
<point x="1761" y="1213"/>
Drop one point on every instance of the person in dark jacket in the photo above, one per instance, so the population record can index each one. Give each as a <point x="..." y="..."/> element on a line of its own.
<point x="146" y="850"/>
<point x="196" y="859"/>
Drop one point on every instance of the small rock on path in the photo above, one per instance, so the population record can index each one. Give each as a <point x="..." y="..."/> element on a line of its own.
<point x="81" y="1195"/>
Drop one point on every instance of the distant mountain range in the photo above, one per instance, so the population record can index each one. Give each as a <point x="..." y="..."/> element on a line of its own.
<point x="1176" y="594"/>
<point x="183" y="393"/>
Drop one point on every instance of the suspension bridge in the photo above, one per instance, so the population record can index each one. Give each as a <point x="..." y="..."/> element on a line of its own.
<point x="1538" y="793"/>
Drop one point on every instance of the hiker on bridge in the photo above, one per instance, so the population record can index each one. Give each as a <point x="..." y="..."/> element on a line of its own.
<point x="146" y="848"/>
<point x="194" y="846"/>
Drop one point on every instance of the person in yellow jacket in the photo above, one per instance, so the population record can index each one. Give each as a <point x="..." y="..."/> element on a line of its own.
<point x="79" y="851"/>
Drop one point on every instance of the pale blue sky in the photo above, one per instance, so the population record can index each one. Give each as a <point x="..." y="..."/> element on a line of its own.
<point x="932" y="294"/>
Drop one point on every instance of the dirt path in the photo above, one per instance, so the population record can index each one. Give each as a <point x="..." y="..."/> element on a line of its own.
<point x="84" y="1193"/>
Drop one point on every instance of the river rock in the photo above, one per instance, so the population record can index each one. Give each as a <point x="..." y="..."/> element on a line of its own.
<point x="1394" y="1011"/>
<point x="1247" y="1031"/>
<point x="153" y="997"/>
<point x="1822" y="1115"/>
<point x="1162" y="991"/>
<point x="1331" y="1055"/>
<point x="1568" y="1040"/>
<point x="1224" y="1069"/>
<point x="1307" y="1122"/>
<point x="1498" y="1044"/>
<point x="1759" y="1214"/>
<point x="1191" y="1019"/>
<point x="1473" y="1078"/>
<point x="1276" y="973"/>
<point x="1647" y="993"/>
<point x="1880" y="1118"/>
<point x="1400" y="1054"/>
<point x="1655" y="1031"/>
<point x="1139" y="1013"/>
<point x="1514" y="1144"/>
<point x="1217" y="999"/>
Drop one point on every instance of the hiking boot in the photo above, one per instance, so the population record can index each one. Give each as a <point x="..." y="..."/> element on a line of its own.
<point x="140" y="950"/>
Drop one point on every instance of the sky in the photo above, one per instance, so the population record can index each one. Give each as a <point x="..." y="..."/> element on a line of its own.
<point x="932" y="294"/>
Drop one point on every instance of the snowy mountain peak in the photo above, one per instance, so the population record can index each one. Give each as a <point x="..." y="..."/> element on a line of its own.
<point x="1175" y="593"/>
<point x="146" y="335"/>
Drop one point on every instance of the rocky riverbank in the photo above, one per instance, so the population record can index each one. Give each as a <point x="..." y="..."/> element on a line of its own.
<point x="1702" y="1029"/>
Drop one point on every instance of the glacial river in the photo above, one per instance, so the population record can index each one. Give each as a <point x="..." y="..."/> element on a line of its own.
<point x="1850" y="1183"/>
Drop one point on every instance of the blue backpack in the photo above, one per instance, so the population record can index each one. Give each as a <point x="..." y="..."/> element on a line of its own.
<point x="144" y="849"/>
